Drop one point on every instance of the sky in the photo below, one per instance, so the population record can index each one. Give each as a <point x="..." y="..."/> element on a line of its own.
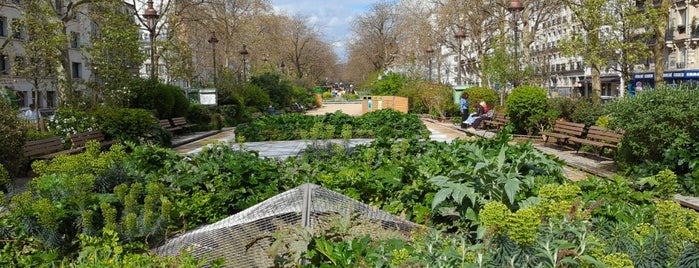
<point x="332" y="17"/>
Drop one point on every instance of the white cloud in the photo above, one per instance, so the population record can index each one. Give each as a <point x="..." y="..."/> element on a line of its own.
<point x="332" y="17"/>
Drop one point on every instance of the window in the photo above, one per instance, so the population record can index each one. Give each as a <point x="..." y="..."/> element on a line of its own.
<point x="3" y="26"/>
<point x="4" y="65"/>
<point x="77" y="69"/>
<point x="74" y="40"/>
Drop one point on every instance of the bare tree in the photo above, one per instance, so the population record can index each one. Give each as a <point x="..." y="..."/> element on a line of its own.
<point x="376" y="36"/>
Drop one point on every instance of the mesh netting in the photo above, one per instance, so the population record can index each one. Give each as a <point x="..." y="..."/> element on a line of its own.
<point x="304" y="206"/>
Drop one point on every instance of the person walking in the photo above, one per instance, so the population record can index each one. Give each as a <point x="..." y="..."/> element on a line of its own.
<point x="32" y="115"/>
<point x="463" y="108"/>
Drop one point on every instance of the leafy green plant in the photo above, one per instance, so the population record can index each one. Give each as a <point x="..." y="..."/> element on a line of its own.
<point x="526" y="108"/>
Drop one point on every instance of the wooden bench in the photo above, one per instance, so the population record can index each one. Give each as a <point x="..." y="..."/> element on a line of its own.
<point x="563" y="131"/>
<point x="599" y="137"/>
<point x="46" y="149"/>
<point x="79" y="139"/>
<point x="497" y="122"/>
<point x="167" y="125"/>
<point x="181" y="123"/>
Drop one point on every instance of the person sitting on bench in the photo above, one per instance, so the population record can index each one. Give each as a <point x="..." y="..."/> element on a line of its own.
<point x="474" y="120"/>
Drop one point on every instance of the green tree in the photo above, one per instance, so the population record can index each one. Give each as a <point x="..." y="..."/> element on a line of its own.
<point x="590" y="42"/>
<point x="657" y="12"/>
<point x="114" y="54"/>
<point x="42" y="46"/>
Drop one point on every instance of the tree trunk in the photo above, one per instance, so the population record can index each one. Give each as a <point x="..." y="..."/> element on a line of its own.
<point x="596" y="83"/>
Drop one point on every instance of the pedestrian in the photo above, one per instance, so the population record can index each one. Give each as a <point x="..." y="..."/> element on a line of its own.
<point x="270" y="109"/>
<point x="32" y="115"/>
<point x="463" y="108"/>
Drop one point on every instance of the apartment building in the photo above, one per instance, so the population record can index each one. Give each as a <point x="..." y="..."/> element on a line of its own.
<point x="12" y="55"/>
<point x="681" y="49"/>
<point x="568" y="76"/>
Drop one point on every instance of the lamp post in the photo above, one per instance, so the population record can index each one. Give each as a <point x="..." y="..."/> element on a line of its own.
<point x="151" y="16"/>
<point x="429" y="52"/>
<point x="460" y="35"/>
<point x="213" y="40"/>
<point x="244" y="53"/>
<point x="515" y="8"/>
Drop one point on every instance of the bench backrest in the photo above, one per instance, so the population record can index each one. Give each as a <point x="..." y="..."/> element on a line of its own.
<point x="43" y="146"/>
<point x="81" y="138"/>
<point x="179" y="121"/>
<point x="165" y="123"/>
<point x="500" y="117"/>
<point x="603" y="134"/>
<point x="570" y="128"/>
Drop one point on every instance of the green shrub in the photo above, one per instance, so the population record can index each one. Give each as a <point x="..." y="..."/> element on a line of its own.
<point x="254" y="97"/>
<point x="277" y="88"/>
<point x="5" y="183"/>
<point x="587" y="112"/>
<point x="563" y="107"/>
<point x="135" y="125"/>
<point x="478" y="94"/>
<point x="12" y="137"/>
<point x="180" y="106"/>
<point x="200" y="115"/>
<point x="159" y="98"/>
<point x="327" y="95"/>
<point x="660" y="125"/>
<point x="429" y="98"/>
<point x="69" y="121"/>
<point x="389" y="84"/>
<point x="527" y="107"/>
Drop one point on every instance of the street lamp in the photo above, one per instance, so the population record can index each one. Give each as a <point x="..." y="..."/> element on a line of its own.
<point x="429" y="52"/>
<point x="515" y="8"/>
<point x="213" y="40"/>
<point x="460" y="35"/>
<point x="151" y="16"/>
<point x="244" y="53"/>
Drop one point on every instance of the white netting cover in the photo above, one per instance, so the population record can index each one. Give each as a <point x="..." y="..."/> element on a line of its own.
<point x="305" y="205"/>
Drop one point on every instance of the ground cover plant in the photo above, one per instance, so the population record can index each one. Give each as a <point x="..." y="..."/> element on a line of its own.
<point x="386" y="123"/>
<point x="484" y="203"/>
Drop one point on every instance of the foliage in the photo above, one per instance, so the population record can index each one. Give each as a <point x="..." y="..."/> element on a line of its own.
<point x="428" y="97"/>
<point x="253" y="97"/>
<point x="563" y="107"/>
<point x="388" y="84"/>
<point x="114" y="53"/>
<point x="279" y="90"/>
<point x="164" y="100"/>
<point x="136" y="125"/>
<point x="386" y="123"/>
<point x="202" y="116"/>
<point x="12" y="138"/>
<point x="659" y="129"/>
<point x="478" y="94"/>
<point x="587" y="112"/>
<point x="526" y="108"/>
<point x="68" y="121"/>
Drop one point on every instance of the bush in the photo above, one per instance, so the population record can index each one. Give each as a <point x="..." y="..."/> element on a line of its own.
<point x="478" y="94"/>
<point x="135" y="125"/>
<point x="69" y="121"/>
<point x="165" y="100"/>
<point x="655" y="121"/>
<point x="586" y="112"/>
<point x="563" y="107"/>
<point x="389" y="84"/>
<point x="429" y="98"/>
<point x="11" y="138"/>
<point x="180" y="106"/>
<point x="200" y="115"/>
<point x="527" y="107"/>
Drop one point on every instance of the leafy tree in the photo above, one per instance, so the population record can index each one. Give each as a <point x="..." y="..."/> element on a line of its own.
<point x="42" y="45"/>
<point x="114" y="53"/>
